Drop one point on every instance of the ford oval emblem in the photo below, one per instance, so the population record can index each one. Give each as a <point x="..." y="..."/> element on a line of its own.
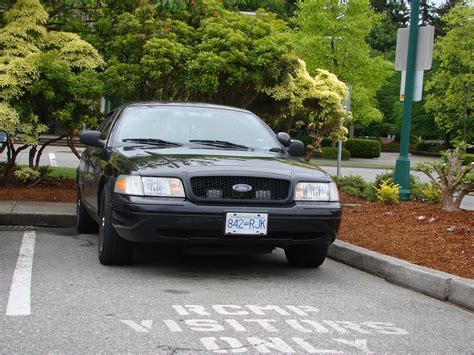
<point x="242" y="188"/>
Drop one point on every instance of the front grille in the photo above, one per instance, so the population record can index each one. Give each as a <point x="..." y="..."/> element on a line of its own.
<point x="221" y="188"/>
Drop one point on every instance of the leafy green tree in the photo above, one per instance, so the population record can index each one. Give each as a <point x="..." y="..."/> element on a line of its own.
<point x="451" y="97"/>
<point x="332" y="35"/>
<point x="43" y="75"/>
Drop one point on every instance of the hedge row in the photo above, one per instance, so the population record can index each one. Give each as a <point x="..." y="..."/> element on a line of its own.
<point x="467" y="159"/>
<point x="331" y="153"/>
<point x="357" y="147"/>
<point x="363" y="148"/>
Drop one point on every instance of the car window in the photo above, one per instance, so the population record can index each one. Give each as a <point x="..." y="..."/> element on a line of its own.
<point x="104" y="127"/>
<point x="183" y="124"/>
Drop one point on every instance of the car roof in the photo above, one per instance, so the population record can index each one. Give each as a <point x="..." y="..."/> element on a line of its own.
<point x="185" y="104"/>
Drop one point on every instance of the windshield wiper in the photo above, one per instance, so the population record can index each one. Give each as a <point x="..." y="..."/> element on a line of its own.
<point x="152" y="141"/>
<point x="221" y="144"/>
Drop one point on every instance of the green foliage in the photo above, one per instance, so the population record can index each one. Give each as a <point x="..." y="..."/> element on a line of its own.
<point x="332" y="35"/>
<point x="428" y="192"/>
<point x="451" y="94"/>
<point x="44" y="171"/>
<point x="387" y="192"/>
<point x="389" y="175"/>
<point x="363" y="148"/>
<point x="331" y="153"/>
<point x="44" y="75"/>
<point x="430" y="147"/>
<point x="452" y="178"/>
<point x="25" y="175"/>
<point x="354" y="185"/>
<point x="467" y="159"/>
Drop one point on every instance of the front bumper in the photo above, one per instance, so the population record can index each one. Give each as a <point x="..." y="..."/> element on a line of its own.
<point x="184" y="223"/>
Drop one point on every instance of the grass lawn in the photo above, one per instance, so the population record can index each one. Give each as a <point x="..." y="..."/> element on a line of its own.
<point x="64" y="173"/>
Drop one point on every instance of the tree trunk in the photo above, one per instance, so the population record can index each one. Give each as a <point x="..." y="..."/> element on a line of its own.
<point x="31" y="156"/>
<point x="448" y="202"/>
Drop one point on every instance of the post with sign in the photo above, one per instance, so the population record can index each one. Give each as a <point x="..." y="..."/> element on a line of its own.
<point x="411" y="56"/>
<point x="347" y="107"/>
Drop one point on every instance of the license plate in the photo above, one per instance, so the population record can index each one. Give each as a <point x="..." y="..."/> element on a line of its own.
<point x="246" y="223"/>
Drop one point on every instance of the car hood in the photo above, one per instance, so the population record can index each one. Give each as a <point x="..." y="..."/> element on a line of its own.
<point x="177" y="161"/>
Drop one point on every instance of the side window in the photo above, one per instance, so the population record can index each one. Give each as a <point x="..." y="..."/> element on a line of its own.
<point x="104" y="127"/>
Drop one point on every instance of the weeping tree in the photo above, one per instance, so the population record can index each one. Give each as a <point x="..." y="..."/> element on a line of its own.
<point x="44" y="75"/>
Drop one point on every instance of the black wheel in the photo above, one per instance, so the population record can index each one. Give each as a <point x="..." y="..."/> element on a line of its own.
<point x="310" y="256"/>
<point x="85" y="224"/>
<point x="113" y="250"/>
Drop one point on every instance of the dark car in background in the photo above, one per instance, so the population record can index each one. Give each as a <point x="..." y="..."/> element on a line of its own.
<point x="203" y="178"/>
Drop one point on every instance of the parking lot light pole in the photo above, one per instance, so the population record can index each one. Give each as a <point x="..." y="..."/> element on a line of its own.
<point x="402" y="167"/>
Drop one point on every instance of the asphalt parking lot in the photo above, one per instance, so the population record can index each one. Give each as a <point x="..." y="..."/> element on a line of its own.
<point x="56" y="297"/>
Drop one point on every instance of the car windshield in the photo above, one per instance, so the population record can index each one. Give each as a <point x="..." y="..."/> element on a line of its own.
<point x="197" y="126"/>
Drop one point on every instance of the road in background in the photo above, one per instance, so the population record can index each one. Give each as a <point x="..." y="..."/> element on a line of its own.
<point x="166" y="303"/>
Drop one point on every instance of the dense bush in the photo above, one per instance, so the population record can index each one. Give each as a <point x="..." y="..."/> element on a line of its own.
<point x="353" y="185"/>
<point x="414" y="180"/>
<point x="426" y="192"/>
<point x="331" y="153"/>
<point x="307" y="140"/>
<point x="387" y="192"/>
<point x="363" y="148"/>
<point x="25" y="175"/>
<point x="429" y="147"/>
<point x="467" y="159"/>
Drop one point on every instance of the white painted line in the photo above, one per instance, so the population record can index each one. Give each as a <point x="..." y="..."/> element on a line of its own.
<point x="52" y="159"/>
<point x="20" y="291"/>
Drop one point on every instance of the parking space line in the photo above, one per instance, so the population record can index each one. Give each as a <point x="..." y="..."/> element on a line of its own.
<point x="19" y="300"/>
<point x="52" y="159"/>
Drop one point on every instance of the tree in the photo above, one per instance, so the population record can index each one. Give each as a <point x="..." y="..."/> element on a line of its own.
<point x="332" y="36"/>
<point x="43" y="75"/>
<point x="451" y="97"/>
<point x="453" y="179"/>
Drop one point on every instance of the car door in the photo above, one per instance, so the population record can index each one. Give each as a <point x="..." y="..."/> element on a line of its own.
<point x="93" y="165"/>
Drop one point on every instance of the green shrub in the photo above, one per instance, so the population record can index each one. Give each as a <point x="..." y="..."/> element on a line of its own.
<point x="388" y="192"/>
<point x="307" y="140"/>
<point x="331" y="153"/>
<point x="44" y="171"/>
<point x="369" y="193"/>
<point x="26" y="175"/>
<point x="429" y="147"/>
<point x="427" y="193"/>
<point x="353" y="185"/>
<point x="389" y="175"/>
<point x="467" y="159"/>
<point x="363" y="148"/>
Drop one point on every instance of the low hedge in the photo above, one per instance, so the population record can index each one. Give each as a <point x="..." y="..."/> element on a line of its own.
<point x="331" y="153"/>
<point x="467" y="159"/>
<point x="363" y="148"/>
<point x="429" y="147"/>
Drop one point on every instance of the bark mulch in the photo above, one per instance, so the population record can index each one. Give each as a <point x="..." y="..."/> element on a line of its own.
<point x="414" y="231"/>
<point x="48" y="190"/>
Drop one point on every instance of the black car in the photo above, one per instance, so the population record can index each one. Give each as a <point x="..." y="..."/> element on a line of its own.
<point x="204" y="178"/>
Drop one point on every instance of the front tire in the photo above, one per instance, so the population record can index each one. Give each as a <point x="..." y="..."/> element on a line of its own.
<point x="307" y="256"/>
<point x="113" y="250"/>
<point x="85" y="224"/>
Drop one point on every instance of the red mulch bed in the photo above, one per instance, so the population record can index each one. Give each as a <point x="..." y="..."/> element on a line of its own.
<point x="392" y="230"/>
<point x="395" y="230"/>
<point x="49" y="189"/>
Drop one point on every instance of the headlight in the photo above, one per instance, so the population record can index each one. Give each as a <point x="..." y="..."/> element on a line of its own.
<point x="149" y="186"/>
<point x="316" y="191"/>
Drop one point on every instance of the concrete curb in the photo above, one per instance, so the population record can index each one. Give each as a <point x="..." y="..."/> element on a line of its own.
<point x="437" y="284"/>
<point x="28" y="213"/>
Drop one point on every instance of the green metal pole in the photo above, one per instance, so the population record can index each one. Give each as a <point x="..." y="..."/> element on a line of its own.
<point x="402" y="167"/>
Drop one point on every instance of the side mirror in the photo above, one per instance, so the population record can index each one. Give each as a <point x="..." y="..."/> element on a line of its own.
<point x="92" y="139"/>
<point x="3" y="137"/>
<point x="296" y="148"/>
<point x="284" y="138"/>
